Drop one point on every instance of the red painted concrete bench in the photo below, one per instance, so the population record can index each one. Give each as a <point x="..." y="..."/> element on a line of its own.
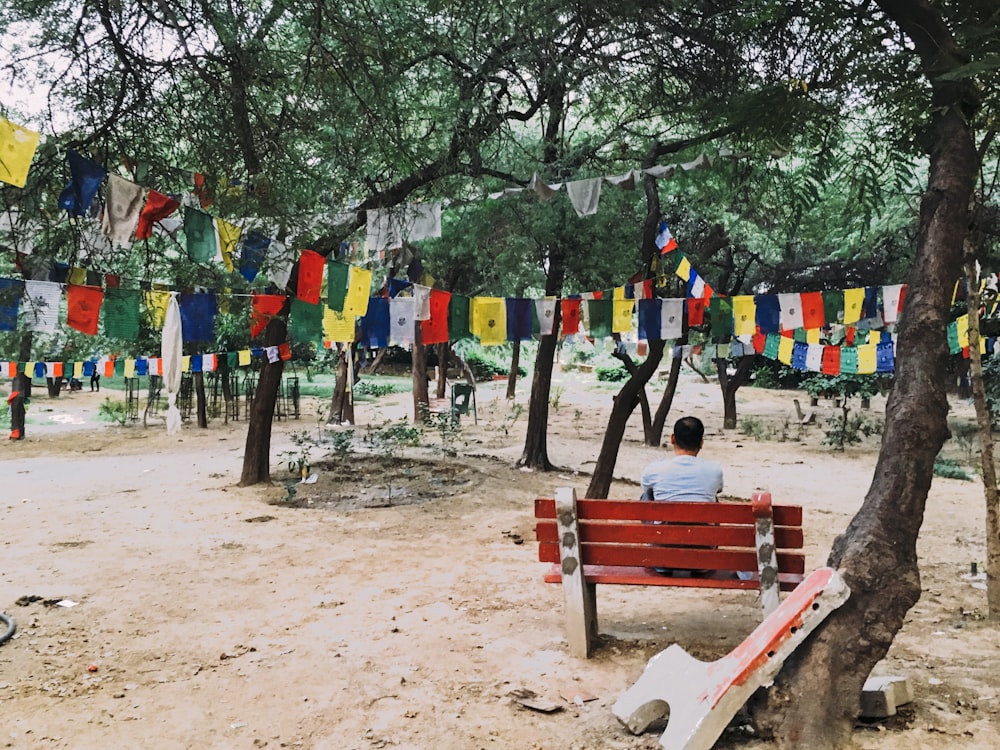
<point x="703" y="545"/>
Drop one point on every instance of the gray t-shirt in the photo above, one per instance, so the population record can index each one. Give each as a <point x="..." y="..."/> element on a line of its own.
<point x="682" y="479"/>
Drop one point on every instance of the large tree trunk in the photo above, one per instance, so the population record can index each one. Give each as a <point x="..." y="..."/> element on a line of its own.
<point x="655" y="436"/>
<point x="625" y="403"/>
<point x="731" y="384"/>
<point x="257" y="454"/>
<point x="536" y="451"/>
<point x="816" y="697"/>
<point x="53" y="386"/>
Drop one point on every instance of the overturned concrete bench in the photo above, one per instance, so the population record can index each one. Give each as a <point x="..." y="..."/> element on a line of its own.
<point x="704" y="696"/>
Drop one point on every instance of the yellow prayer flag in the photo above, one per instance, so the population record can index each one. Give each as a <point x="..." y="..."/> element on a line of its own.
<point x="243" y="357"/>
<point x="128" y="370"/>
<point x="962" y="324"/>
<point x="684" y="269"/>
<point x="359" y="285"/>
<point x="29" y="369"/>
<point x="17" y="149"/>
<point x="786" y="345"/>
<point x="619" y="293"/>
<point x="866" y="359"/>
<point x="812" y="335"/>
<point x="621" y="320"/>
<point x="229" y="235"/>
<point x="337" y="326"/>
<point x="156" y="307"/>
<point x="185" y="363"/>
<point x="744" y="315"/>
<point x="78" y="370"/>
<point x="489" y="320"/>
<point x="854" y="300"/>
<point x="77" y="276"/>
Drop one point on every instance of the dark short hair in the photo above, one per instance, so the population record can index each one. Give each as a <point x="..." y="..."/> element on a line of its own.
<point x="689" y="433"/>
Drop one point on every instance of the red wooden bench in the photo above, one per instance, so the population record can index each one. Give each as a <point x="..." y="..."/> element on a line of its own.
<point x="703" y="545"/>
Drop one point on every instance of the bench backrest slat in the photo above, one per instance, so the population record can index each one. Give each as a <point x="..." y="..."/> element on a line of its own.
<point x="648" y="556"/>
<point x="594" y="532"/>
<point x="638" y="510"/>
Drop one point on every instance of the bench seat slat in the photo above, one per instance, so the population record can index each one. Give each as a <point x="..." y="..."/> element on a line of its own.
<point x="628" y="576"/>
<point x="642" y="556"/>
<point x="706" y="536"/>
<point x="640" y="510"/>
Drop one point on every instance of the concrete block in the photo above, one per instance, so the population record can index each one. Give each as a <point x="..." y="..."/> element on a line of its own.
<point x="881" y="696"/>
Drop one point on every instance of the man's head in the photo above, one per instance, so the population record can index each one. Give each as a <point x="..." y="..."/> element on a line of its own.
<point x="689" y="433"/>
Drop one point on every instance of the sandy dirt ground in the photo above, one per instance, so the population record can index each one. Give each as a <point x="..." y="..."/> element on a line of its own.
<point x="398" y="602"/>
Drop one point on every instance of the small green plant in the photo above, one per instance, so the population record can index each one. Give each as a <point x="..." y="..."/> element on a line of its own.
<point x="965" y="435"/>
<point x="511" y="417"/>
<point x="555" y="396"/>
<point x="390" y="439"/>
<point x="754" y="428"/>
<point x="368" y="388"/>
<point x="113" y="411"/>
<point x="448" y="427"/>
<point x="848" y="429"/>
<point x="950" y="469"/>
<point x="612" y="373"/>
<point x="299" y="459"/>
<point x="341" y="441"/>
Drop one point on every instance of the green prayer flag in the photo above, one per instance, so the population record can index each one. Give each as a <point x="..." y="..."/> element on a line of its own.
<point x="953" y="346"/>
<point x="305" y="322"/>
<point x="458" y="318"/>
<point x="720" y="313"/>
<point x="336" y="285"/>
<point x="232" y="360"/>
<point x="199" y="234"/>
<point x="121" y="313"/>
<point x="771" y="346"/>
<point x="119" y="367"/>
<point x="833" y="306"/>
<point x="600" y="313"/>
<point x="848" y="360"/>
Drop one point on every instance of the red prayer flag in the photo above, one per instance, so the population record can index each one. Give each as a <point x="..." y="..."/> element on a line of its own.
<point x="284" y="351"/>
<point x="310" y="282"/>
<point x="696" y="311"/>
<point x="56" y="368"/>
<point x="263" y="307"/>
<point x="759" y="341"/>
<point x="109" y="368"/>
<point x="83" y="305"/>
<point x="813" y="315"/>
<point x="435" y="329"/>
<point x="831" y="360"/>
<point x="158" y="206"/>
<point x="570" y="316"/>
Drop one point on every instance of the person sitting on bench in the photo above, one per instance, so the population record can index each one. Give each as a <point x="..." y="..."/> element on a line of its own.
<point x="685" y="477"/>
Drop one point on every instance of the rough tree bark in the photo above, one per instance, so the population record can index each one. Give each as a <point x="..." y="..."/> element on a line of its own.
<point x="515" y="362"/>
<point x="731" y="384"/>
<point x="655" y="437"/>
<point x="632" y="368"/>
<point x="421" y="398"/>
<point x="257" y="454"/>
<point x="816" y="697"/>
<point x="202" y="402"/>
<point x="442" y="357"/>
<point x="625" y="403"/>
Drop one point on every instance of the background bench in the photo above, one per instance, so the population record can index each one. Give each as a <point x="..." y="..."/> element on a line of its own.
<point x="704" y="545"/>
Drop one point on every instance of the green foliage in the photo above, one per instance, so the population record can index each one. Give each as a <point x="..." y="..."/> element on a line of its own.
<point x="113" y="411"/>
<point x="845" y="386"/>
<point x="555" y="396"/>
<point x="611" y="373"/>
<point x="341" y="441"/>
<point x="374" y="390"/>
<point x="485" y="366"/>
<point x="390" y="439"/>
<point x="849" y="429"/>
<point x="755" y="428"/>
<point x="770" y="374"/>
<point x="950" y="469"/>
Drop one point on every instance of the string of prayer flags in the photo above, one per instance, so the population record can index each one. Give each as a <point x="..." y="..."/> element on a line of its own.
<point x="157" y="207"/>
<point x="310" y="278"/>
<point x="86" y="177"/>
<point x="264" y="307"/>
<point x="229" y="237"/>
<point x="434" y="330"/>
<point x="252" y="254"/>
<point x="123" y="203"/>
<point x="11" y="291"/>
<point x="359" y="285"/>
<point x="199" y="235"/>
<point x="198" y="311"/>
<point x="121" y="313"/>
<point x="17" y="149"/>
<point x="375" y="324"/>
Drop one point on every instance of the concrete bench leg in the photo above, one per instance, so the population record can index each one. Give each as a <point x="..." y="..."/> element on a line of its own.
<point x="703" y="697"/>
<point x="579" y="596"/>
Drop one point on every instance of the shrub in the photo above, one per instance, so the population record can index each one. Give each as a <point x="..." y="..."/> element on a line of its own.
<point x="611" y="373"/>
<point x="368" y="388"/>
<point x="950" y="469"/>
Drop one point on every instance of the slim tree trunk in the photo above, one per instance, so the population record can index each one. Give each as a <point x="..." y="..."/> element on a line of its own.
<point x="984" y="423"/>
<point x="816" y="696"/>
<point x="515" y="362"/>
<point x="536" y="452"/>
<point x="730" y="385"/>
<point x="630" y="366"/>
<point x="625" y="403"/>
<point x="663" y="410"/>
<point x="202" y="402"/>
<point x="421" y="398"/>
<point x="442" y="350"/>
<point x="257" y="454"/>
